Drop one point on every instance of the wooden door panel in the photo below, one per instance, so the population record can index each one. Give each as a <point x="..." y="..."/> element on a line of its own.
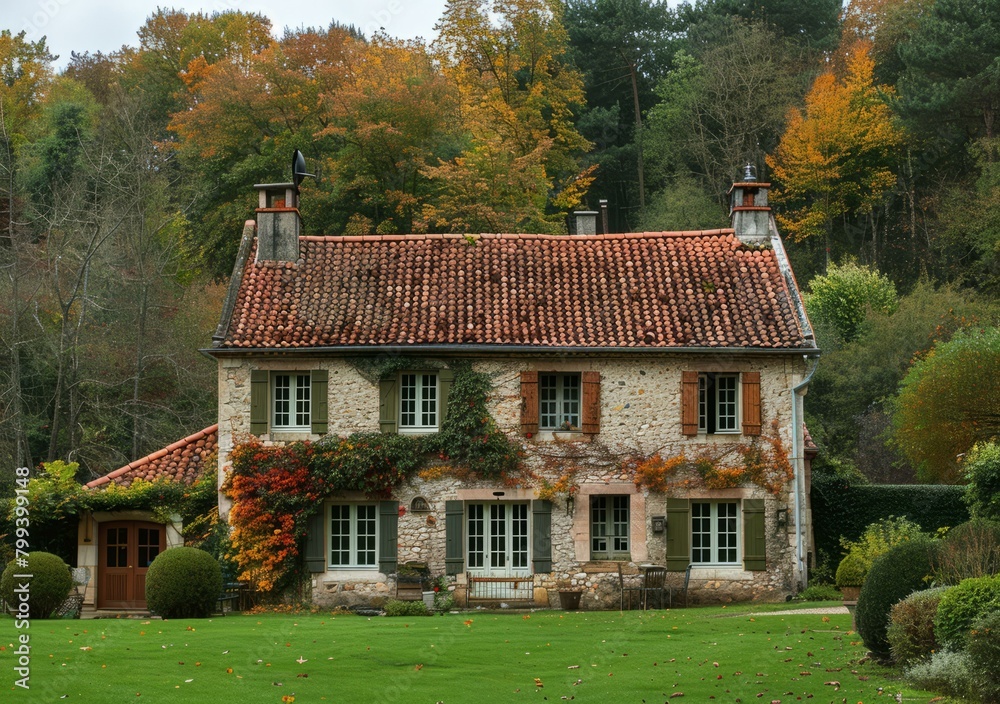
<point x="125" y="550"/>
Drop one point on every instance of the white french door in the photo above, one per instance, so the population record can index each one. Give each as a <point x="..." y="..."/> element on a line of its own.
<point x="498" y="539"/>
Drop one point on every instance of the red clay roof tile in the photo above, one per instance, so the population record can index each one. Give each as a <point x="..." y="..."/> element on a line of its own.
<point x="637" y="290"/>
<point x="183" y="461"/>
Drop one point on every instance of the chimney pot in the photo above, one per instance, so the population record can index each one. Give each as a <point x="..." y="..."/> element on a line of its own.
<point x="583" y="222"/>
<point x="278" y="222"/>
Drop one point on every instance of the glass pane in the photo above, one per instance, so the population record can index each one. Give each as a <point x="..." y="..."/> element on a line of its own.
<point x="570" y="402"/>
<point x="428" y="401"/>
<point x="702" y="402"/>
<point x="282" y="400"/>
<point x="340" y="534"/>
<point x="303" y="389"/>
<point x="366" y="524"/>
<point x="726" y="523"/>
<point x="726" y="391"/>
<point x="701" y="532"/>
<point x="498" y="535"/>
<point x="548" y="395"/>
<point x="476" y="535"/>
<point x="408" y="400"/>
<point x="620" y="524"/>
<point x="519" y="536"/>
<point x="598" y="524"/>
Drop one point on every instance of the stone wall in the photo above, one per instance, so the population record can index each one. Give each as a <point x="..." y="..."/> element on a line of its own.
<point x="640" y="416"/>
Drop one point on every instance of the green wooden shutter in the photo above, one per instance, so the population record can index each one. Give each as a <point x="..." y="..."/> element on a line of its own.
<point x="388" y="405"/>
<point x="678" y="534"/>
<point x="388" y="538"/>
<point x="320" y="403"/>
<point x="754" y="538"/>
<point x="315" y="552"/>
<point x="446" y="379"/>
<point x="454" y="555"/>
<point x="541" y="536"/>
<point x="260" y="383"/>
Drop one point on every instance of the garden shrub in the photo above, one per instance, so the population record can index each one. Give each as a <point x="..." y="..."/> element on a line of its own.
<point x="962" y="605"/>
<point x="851" y="571"/>
<point x="969" y="550"/>
<point x="982" y="472"/>
<point x="947" y="671"/>
<point x="984" y="656"/>
<point x="394" y="607"/>
<point x="893" y="576"/>
<point x="911" y="626"/>
<point x="183" y="583"/>
<point x="49" y="584"/>
<point x="820" y="592"/>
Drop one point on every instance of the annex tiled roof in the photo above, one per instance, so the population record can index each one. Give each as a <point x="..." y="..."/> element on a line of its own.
<point x="637" y="290"/>
<point x="183" y="461"/>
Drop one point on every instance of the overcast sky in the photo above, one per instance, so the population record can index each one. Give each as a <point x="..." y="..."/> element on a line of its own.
<point x="106" y="25"/>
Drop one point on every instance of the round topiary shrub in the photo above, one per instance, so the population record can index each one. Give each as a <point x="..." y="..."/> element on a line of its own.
<point x="893" y="576"/>
<point x="183" y="583"/>
<point x="911" y="626"/>
<point x="962" y="605"/>
<point x="48" y="585"/>
<point x="984" y="655"/>
<point x="851" y="571"/>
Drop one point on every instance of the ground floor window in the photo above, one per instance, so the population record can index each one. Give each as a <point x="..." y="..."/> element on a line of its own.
<point x="715" y="536"/>
<point x="353" y="535"/>
<point x="609" y="527"/>
<point x="497" y="539"/>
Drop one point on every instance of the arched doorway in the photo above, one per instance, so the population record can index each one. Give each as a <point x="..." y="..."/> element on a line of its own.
<point x="125" y="551"/>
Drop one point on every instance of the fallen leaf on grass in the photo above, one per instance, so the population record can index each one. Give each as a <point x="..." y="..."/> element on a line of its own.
<point x="301" y="660"/>
<point x="573" y="667"/>
<point x="418" y="667"/>
<point x="677" y="694"/>
<point x="538" y="683"/>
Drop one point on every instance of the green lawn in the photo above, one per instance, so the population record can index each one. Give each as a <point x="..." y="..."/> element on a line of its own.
<point x="707" y="653"/>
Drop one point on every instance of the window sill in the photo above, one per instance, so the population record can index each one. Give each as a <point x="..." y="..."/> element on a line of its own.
<point x="417" y="431"/>
<point x="354" y="574"/>
<point x="561" y="436"/>
<point x="732" y="573"/>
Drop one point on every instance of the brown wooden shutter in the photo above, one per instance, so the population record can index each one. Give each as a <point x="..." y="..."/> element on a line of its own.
<point x="689" y="403"/>
<point x="751" y="403"/>
<point x="591" y="402"/>
<point x="529" y="402"/>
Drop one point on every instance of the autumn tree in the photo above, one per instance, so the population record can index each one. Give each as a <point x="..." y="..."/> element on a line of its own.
<point x="844" y="296"/>
<point x="836" y="158"/>
<point x="722" y="107"/>
<point x="517" y="95"/>
<point x="949" y="401"/>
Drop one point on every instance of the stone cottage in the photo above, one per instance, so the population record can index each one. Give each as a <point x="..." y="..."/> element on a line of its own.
<point x="681" y="356"/>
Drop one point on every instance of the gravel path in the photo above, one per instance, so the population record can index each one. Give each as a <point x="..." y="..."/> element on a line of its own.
<point x="825" y="610"/>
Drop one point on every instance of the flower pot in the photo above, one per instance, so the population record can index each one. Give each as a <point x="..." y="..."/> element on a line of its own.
<point x="429" y="600"/>
<point x="569" y="599"/>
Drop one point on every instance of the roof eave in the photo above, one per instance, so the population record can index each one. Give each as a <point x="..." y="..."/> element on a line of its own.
<point x="464" y="349"/>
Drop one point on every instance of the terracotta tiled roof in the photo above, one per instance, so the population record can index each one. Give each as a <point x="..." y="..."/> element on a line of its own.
<point x="645" y="290"/>
<point x="183" y="461"/>
<point x="808" y="445"/>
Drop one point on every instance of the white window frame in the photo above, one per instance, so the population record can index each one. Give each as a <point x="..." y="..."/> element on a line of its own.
<point x="565" y="409"/>
<point x="712" y="527"/>
<point x="610" y="527"/>
<point x="424" y="403"/>
<point x="371" y="509"/>
<point x="295" y="399"/>
<point x="712" y="397"/>
<point x="498" y="542"/>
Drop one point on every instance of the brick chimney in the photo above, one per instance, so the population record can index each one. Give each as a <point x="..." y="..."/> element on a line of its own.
<point x="278" y="222"/>
<point x="749" y="212"/>
<point x="583" y="222"/>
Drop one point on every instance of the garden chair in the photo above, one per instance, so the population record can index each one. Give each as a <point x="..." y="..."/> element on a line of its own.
<point x="684" y="589"/>
<point x="626" y="590"/>
<point x="654" y="580"/>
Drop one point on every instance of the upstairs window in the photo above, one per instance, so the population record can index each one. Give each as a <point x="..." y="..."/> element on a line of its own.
<point x="291" y="401"/>
<point x="418" y="399"/>
<point x="717" y="403"/>
<point x="559" y="399"/>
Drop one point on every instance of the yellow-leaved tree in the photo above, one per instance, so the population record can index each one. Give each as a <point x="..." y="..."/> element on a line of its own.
<point x="519" y="167"/>
<point x="837" y="157"/>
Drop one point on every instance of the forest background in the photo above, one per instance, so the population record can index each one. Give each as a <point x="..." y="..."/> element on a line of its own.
<point x="126" y="177"/>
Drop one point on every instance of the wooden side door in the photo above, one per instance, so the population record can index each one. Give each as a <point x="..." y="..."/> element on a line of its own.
<point x="126" y="549"/>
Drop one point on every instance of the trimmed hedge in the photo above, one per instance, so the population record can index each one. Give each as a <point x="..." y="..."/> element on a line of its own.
<point x="892" y="577"/>
<point x="49" y="584"/>
<point x="911" y="626"/>
<point x="984" y="654"/>
<point x="842" y="509"/>
<point x="183" y="583"/>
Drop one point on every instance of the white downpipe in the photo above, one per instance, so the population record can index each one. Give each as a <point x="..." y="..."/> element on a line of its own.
<point x="799" y="465"/>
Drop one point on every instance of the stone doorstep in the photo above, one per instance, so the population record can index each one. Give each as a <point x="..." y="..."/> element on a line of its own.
<point x="93" y="613"/>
